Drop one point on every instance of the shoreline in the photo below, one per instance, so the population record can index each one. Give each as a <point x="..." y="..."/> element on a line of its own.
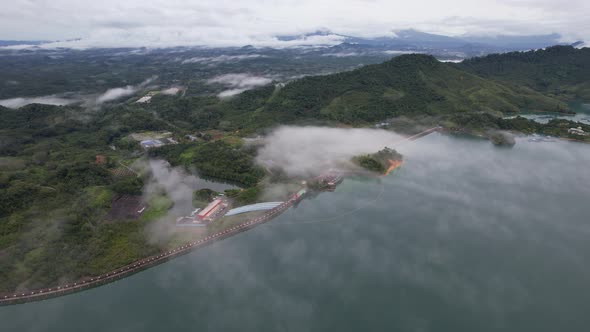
<point x="392" y="166"/>
<point x="515" y="133"/>
<point x="144" y="263"/>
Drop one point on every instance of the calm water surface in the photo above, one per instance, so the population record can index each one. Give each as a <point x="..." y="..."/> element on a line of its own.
<point x="582" y="114"/>
<point x="464" y="237"/>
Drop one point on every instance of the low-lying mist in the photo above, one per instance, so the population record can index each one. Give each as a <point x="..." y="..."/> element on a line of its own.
<point x="178" y="186"/>
<point x="116" y="93"/>
<point x="304" y="151"/>
<point x="222" y="58"/>
<point x="88" y="101"/>
<point x="48" y="100"/>
<point x="238" y="83"/>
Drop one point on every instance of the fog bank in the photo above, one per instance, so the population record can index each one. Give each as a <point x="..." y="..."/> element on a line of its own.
<point x="178" y="185"/>
<point x="116" y="93"/>
<point x="302" y="151"/>
<point x="222" y="58"/>
<point x="238" y="83"/>
<point x="47" y="100"/>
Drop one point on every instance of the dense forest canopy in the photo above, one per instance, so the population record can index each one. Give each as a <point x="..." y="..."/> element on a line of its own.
<point x="559" y="70"/>
<point x="55" y="190"/>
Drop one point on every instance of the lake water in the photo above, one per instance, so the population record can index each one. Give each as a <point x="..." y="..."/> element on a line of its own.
<point x="582" y="115"/>
<point x="463" y="237"/>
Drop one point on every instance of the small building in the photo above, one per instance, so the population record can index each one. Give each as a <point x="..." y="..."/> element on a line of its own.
<point x="577" y="131"/>
<point x="151" y="143"/>
<point x="100" y="159"/>
<point x="211" y="211"/>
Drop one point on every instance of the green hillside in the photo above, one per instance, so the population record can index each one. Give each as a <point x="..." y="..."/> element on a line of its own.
<point x="55" y="192"/>
<point x="409" y="85"/>
<point x="559" y="70"/>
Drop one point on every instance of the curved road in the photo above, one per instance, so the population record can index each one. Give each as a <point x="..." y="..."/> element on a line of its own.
<point x="137" y="266"/>
<point x="41" y="294"/>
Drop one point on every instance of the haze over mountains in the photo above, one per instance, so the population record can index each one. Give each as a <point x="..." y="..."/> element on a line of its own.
<point x="415" y="39"/>
<point x="409" y="39"/>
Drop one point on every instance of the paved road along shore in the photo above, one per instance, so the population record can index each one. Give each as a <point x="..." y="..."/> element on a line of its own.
<point x="137" y="266"/>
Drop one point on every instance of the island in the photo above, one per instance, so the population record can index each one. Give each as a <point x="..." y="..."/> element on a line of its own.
<point x="381" y="162"/>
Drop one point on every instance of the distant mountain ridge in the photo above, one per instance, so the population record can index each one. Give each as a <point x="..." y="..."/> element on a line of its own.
<point x="414" y="39"/>
<point x="408" y="39"/>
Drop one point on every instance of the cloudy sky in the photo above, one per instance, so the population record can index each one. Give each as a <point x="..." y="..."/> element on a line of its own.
<point x="222" y="22"/>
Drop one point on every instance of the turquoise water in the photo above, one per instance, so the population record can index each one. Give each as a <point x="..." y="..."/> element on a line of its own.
<point x="463" y="237"/>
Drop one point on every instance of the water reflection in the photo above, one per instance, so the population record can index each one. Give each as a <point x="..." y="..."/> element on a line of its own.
<point x="464" y="237"/>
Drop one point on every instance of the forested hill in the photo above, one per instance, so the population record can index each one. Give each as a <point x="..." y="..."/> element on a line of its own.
<point x="406" y="85"/>
<point x="33" y="116"/>
<point x="560" y="70"/>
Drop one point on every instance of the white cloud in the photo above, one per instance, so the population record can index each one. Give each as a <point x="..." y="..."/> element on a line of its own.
<point x="230" y="92"/>
<point x="342" y="54"/>
<point x="171" y="91"/>
<point x="309" y="150"/>
<point x="238" y="83"/>
<point x="451" y="60"/>
<point x="161" y="23"/>
<point x="222" y="58"/>
<point x="240" y="80"/>
<point x="397" y="52"/>
<point x="48" y="100"/>
<point x="116" y="93"/>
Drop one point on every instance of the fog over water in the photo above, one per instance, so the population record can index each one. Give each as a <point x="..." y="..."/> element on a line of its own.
<point x="463" y="237"/>
<point x="309" y="150"/>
